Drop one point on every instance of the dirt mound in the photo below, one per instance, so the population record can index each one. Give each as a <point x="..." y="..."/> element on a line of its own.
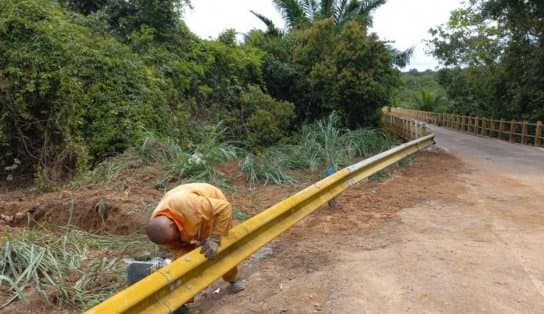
<point x="119" y="206"/>
<point x="94" y="208"/>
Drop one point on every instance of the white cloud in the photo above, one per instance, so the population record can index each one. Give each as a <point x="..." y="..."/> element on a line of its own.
<point x="405" y="22"/>
<point x="209" y="18"/>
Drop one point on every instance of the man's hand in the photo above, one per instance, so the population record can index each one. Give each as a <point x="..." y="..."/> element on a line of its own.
<point x="210" y="246"/>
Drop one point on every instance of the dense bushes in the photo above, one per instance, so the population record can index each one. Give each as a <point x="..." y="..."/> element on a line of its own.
<point x="73" y="95"/>
<point x="68" y="95"/>
<point x="84" y="80"/>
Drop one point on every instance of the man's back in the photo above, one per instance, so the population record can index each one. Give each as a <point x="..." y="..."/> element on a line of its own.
<point x="199" y="209"/>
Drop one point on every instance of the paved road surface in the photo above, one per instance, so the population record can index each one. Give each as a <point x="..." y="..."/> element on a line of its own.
<point x="455" y="232"/>
<point x="520" y="162"/>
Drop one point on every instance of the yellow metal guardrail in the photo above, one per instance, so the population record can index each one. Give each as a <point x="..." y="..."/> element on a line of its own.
<point x="173" y="285"/>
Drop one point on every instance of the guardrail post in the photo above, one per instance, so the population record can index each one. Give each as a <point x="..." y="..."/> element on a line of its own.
<point x="459" y="122"/>
<point x="476" y="125"/>
<point x="524" y="133"/>
<point x="512" y="129"/>
<point x="491" y="127"/>
<point x="538" y="133"/>
<point x="482" y="130"/>
<point x="501" y="129"/>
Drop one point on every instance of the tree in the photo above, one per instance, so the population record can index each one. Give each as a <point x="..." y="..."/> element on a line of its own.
<point x="300" y="13"/>
<point x="85" y="7"/>
<point x="427" y="101"/>
<point x="497" y="46"/>
<point x="348" y="71"/>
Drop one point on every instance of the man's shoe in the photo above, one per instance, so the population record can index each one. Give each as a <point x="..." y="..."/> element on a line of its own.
<point x="182" y="310"/>
<point x="237" y="286"/>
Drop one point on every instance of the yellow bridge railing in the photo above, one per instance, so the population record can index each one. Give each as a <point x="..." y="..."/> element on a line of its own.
<point x="522" y="132"/>
<point x="173" y="285"/>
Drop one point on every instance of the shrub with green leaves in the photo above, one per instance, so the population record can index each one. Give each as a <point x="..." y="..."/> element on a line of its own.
<point x="266" y="119"/>
<point x="70" y="96"/>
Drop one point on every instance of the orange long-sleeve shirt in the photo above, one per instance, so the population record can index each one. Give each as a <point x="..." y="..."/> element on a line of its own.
<point x="198" y="209"/>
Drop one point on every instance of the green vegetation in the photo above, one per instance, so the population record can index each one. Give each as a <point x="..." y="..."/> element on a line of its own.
<point x="64" y="268"/>
<point x="421" y="91"/>
<point x="320" y="145"/>
<point x="93" y="90"/>
<point x="327" y="61"/>
<point x="493" y="50"/>
<point x="81" y="81"/>
<point x="323" y="144"/>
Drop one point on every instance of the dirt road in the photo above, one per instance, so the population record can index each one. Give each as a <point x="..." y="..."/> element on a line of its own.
<point x="460" y="230"/>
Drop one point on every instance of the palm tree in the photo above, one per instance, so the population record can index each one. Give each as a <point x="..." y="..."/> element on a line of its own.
<point x="271" y="28"/>
<point x="299" y="13"/>
<point x="357" y="10"/>
<point x="427" y="101"/>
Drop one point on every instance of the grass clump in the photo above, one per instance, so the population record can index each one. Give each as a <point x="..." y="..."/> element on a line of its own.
<point x="270" y="166"/>
<point x="195" y="162"/>
<point x="323" y="144"/>
<point x="67" y="270"/>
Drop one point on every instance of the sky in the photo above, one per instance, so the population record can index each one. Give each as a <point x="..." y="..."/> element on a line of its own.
<point x="404" y="22"/>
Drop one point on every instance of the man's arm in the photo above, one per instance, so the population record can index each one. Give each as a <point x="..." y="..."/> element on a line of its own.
<point x="221" y="212"/>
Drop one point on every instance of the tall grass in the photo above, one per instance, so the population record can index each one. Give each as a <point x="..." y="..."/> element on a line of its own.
<point x="70" y="264"/>
<point x="323" y="144"/>
<point x="196" y="162"/>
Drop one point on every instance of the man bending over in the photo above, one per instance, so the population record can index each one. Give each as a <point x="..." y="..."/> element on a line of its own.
<point x="191" y="215"/>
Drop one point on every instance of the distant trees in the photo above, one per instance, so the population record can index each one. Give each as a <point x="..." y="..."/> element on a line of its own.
<point x="494" y="50"/>
<point x="427" y="101"/>
<point x="420" y="90"/>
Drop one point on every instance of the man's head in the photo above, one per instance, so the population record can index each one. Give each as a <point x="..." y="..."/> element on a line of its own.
<point x="162" y="230"/>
